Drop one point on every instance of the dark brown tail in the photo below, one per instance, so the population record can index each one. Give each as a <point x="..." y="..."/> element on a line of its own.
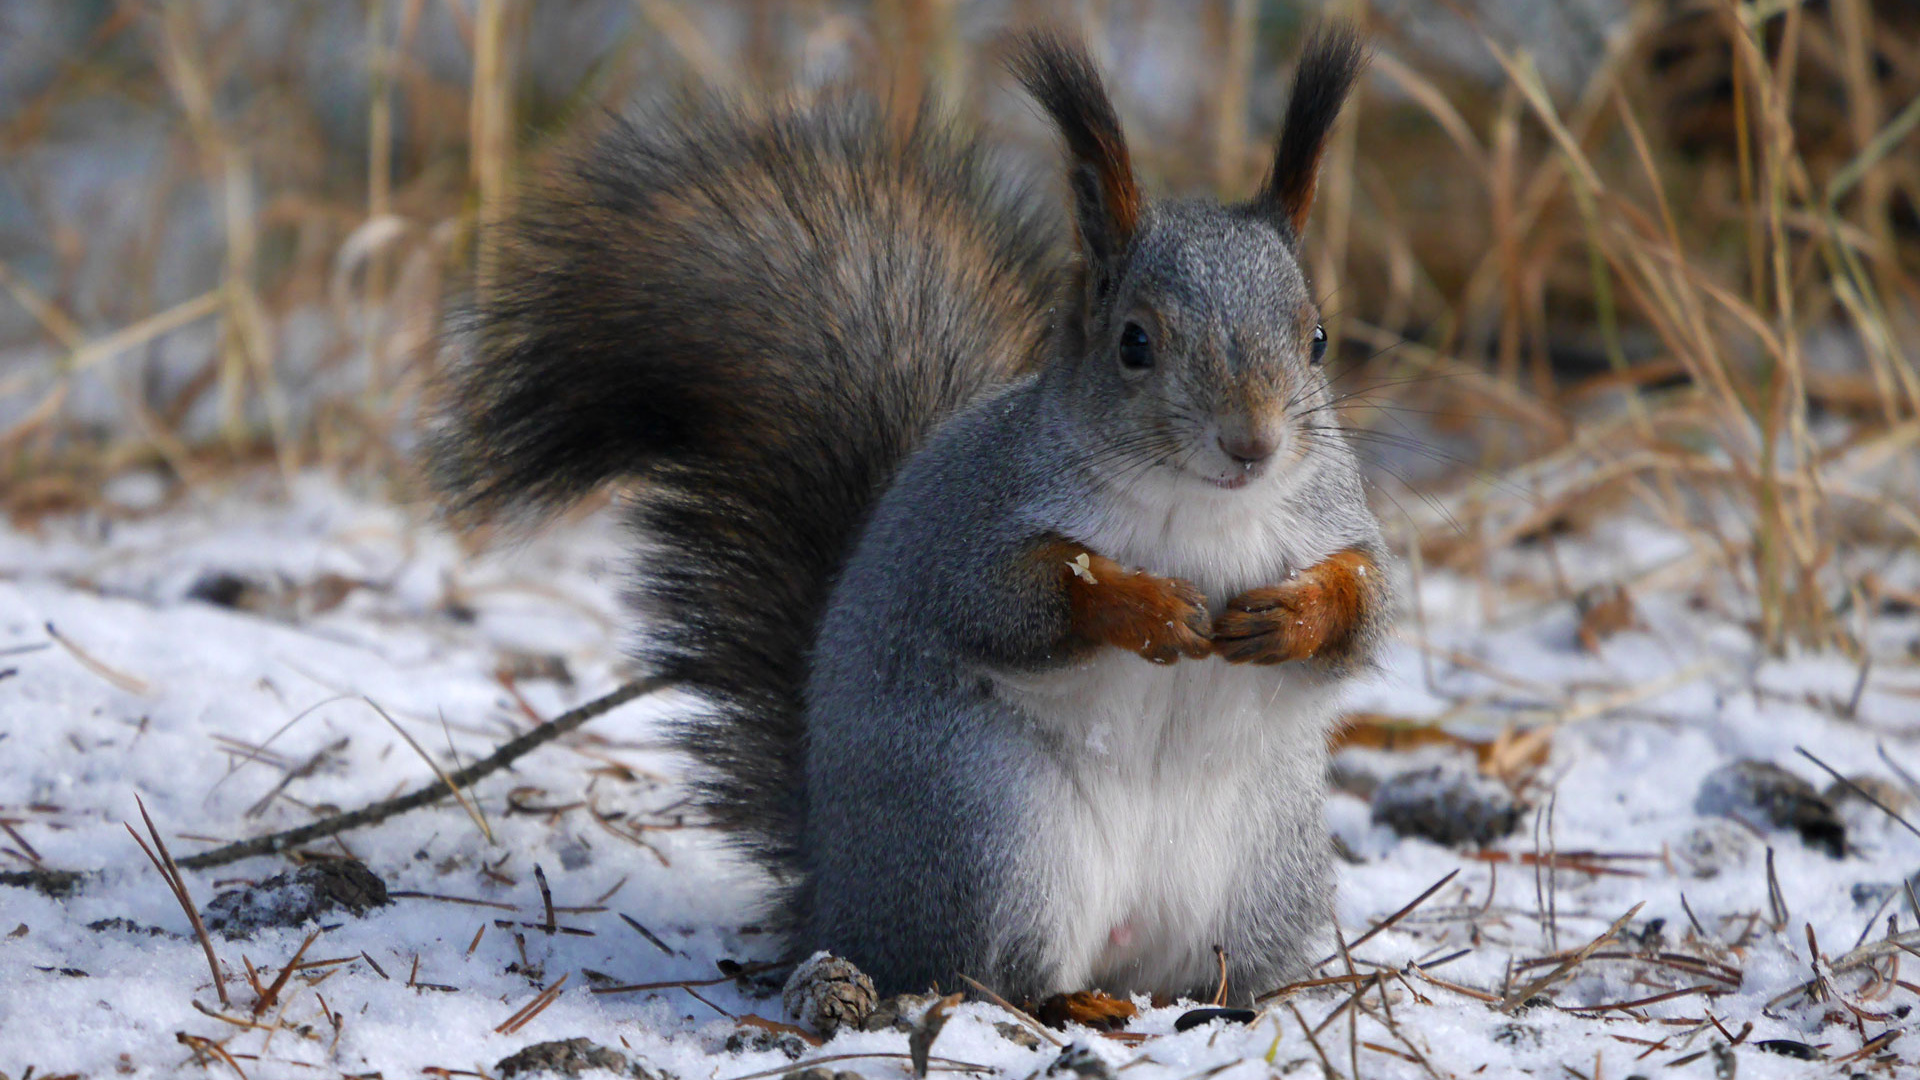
<point x="758" y="314"/>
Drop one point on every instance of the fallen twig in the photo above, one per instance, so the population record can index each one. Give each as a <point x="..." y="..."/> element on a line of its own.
<point x="372" y="815"/>
<point x="1519" y="997"/>
<point x="272" y="993"/>
<point x="452" y="785"/>
<point x="1688" y="991"/>
<point x="682" y="984"/>
<point x="1021" y="1015"/>
<point x="1860" y="791"/>
<point x="950" y="1063"/>
<point x="532" y="1008"/>
<point x="1377" y="928"/>
<point x="120" y="679"/>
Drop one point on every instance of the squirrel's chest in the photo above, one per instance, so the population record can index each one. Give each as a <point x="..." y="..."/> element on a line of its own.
<point x="1222" y="544"/>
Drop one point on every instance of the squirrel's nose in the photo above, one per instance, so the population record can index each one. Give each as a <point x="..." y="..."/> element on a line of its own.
<point x="1246" y="450"/>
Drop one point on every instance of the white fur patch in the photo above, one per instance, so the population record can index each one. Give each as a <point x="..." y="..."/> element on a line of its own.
<point x="1160" y="765"/>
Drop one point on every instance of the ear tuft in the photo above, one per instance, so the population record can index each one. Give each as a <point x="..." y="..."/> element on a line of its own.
<point x="1329" y="65"/>
<point x="1063" y="80"/>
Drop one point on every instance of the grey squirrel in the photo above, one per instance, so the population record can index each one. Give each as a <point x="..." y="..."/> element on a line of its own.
<point x="1018" y="571"/>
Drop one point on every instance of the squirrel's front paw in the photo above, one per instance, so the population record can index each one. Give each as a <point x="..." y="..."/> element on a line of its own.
<point x="1313" y="614"/>
<point x="1172" y="621"/>
<point x="1161" y="619"/>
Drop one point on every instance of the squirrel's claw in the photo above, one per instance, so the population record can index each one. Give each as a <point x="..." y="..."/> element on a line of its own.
<point x="1186" y="631"/>
<point x="1270" y="625"/>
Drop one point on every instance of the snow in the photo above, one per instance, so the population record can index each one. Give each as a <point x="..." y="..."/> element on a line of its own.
<point x="202" y="711"/>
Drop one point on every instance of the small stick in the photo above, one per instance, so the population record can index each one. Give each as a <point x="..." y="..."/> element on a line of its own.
<point x="1386" y="1009"/>
<point x="170" y="871"/>
<point x="200" y="1044"/>
<point x="546" y="896"/>
<point x="1468" y="991"/>
<point x="120" y="679"/>
<point x="253" y="977"/>
<point x="1311" y="1041"/>
<point x="1346" y="954"/>
<point x="532" y="1008"/>
<point x="1697" y="928"/>
<point x="1860" y="791"/>
<point x="508" y="753"/>
<point x="1776" y="900"/>
<point x="1520" y="996"/>
<point x="213" y="1014"/>
<point x="1387" y="922"/>
<point x="646" y="933"/>
<point x="311" y="964"/>
<point x="961" y="1066"/>
<point x="1695" y="965"/>
<point x="1569" y="860"/>
<point x="411" y="894"/>
<point x="697" y="996"/>
<point x="1359" y="991"/>
<point x="1852" y="707"/>
<point x="1308" y="984"/>
<point x="1553" y="873"/>
<point x="1703" y="988"/>
<point x="1019" y="1014"/>
<point x="682" y="984"/>
<point x="1865" y="954"/>
<point x="1905" y="776"/>
<point x="32" y="855"/>
<point x="272" y="993"/>
<point x="466" y="804"/>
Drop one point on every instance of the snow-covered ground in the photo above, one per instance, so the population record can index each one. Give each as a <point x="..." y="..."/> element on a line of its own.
<point x="253" y="714"/>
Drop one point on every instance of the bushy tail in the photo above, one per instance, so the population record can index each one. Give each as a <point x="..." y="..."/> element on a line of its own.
<point x="758" y="314"/>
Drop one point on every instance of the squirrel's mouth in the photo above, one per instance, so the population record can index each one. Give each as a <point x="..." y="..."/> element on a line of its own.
<point x="1234" y="482"/>
<point x="1237" y="475"/>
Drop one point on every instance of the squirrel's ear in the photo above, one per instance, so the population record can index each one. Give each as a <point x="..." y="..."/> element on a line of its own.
<point x="1329" y="65"/>
<point x="1062" y="78"/>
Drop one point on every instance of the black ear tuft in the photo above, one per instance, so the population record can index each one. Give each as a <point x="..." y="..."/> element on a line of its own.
<point x="1062" y="78"/>
<point x="1329" y="65"/>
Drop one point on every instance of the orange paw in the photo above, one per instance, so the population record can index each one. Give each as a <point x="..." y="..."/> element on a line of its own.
<point x="1161" y="619"/>
<point x="1314" y="613"/>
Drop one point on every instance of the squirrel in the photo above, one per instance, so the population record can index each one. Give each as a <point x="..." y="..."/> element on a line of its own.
<point x="1018" y="566"/>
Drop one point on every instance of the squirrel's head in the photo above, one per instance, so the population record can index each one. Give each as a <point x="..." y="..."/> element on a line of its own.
<point x="1192" y="332"/>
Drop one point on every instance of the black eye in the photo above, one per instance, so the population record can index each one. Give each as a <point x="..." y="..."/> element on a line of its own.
<point x="1319" y="343"/>
<point x="1136" y="351"/>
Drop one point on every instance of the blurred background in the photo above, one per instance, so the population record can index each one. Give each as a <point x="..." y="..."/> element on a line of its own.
<point x="1583" y="262"/>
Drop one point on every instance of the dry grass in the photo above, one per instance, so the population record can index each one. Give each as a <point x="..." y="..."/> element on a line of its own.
<point x="1596" y="296"/>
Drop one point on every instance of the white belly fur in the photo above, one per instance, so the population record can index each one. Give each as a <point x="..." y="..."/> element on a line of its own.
<point x="1153" y="817"/>
<point x="1160" y="768"/>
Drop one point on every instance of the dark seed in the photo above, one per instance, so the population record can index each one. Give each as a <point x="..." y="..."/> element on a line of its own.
<point x="1193" y="1018"/>
<point x="1790" y="1048"/>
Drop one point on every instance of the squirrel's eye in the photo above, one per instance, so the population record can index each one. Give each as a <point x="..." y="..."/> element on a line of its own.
<point x="1319" y="343"/>
<point x="1136" y="351"/>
